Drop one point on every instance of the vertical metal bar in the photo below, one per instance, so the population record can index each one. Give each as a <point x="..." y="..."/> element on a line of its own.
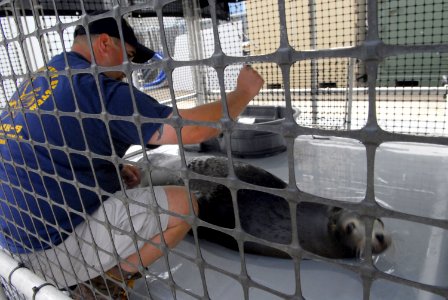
<point x="314" y="66"/>
<point x="38" y="11"/>
<point x="23" y="28"/>
<point x="192" y="15"/>
<point x="349" y="93"/>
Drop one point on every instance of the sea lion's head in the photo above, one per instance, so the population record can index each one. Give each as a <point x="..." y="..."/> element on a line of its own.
<point x="349" y="230"/>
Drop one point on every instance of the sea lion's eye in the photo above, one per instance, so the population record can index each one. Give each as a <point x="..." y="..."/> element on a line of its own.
<point x="349" y="228"/>
<point x="380" y="237"/>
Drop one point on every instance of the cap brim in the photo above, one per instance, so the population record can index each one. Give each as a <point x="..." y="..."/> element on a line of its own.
<point x="142" y="54"/>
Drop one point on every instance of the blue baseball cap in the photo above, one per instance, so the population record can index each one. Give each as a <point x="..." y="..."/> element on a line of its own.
<point x="109" y="26"/>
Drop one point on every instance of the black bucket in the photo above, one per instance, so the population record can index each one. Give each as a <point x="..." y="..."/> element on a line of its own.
<point x="251" y="143"/>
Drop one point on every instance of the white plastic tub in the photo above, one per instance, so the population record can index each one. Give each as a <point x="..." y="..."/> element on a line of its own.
<point x="409" y="178"/>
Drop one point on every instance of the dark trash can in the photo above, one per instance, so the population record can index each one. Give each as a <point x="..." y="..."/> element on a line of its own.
<point x="251" y="143"/>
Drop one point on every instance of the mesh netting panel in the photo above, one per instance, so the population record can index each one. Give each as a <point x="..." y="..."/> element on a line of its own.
<point x="368" y="78"/>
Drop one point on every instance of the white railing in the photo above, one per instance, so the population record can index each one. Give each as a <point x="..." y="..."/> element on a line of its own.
<point x="27" y="282"/>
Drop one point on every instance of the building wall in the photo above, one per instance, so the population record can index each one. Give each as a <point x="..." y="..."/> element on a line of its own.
<point x="336" y="24"/>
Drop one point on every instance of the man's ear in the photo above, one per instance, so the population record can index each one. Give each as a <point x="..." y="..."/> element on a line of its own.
<point x="102" y="44"/>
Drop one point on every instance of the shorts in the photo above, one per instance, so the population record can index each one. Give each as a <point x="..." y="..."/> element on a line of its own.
<point x="92" y="248"/>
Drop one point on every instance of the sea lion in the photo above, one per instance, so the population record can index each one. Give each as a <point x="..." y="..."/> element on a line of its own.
<point x="326" y="231"/>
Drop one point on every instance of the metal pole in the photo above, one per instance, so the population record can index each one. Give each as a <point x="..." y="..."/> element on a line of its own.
<point x="349" y="99"/>
<point x="38" y="11"/>
<point x="26" y="282"/>
<point x="27" y="47"/>
<point x="314" y="66"/>
<point x="192" y="15"/>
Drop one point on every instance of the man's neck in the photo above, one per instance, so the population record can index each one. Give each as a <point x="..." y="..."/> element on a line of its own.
<point x="82" y="50"/>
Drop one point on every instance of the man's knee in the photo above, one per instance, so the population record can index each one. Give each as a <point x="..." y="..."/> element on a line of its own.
<point x="180" y="203"/>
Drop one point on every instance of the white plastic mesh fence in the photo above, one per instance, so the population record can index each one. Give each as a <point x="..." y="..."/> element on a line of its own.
<point x="366" y="76"/>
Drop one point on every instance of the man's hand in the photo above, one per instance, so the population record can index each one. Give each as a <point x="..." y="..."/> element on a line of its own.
<point x="131" y="176"/>
<point x="249" y="82"/>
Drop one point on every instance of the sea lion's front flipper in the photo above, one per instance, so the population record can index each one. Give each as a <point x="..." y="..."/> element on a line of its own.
<point x="163" y="170"/>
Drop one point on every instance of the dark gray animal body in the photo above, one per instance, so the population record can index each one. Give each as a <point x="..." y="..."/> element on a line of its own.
<point x="322" y="230"/>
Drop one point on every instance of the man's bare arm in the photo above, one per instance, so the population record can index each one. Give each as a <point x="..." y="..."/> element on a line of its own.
<point x="249" y="83"/>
